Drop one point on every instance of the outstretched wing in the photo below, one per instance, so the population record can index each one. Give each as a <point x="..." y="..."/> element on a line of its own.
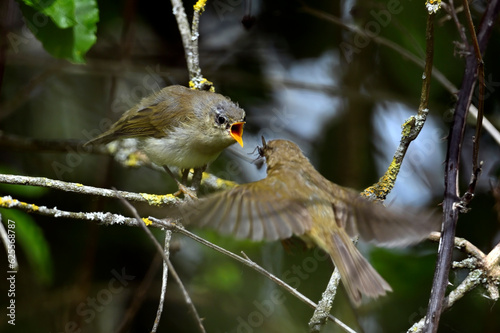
<point x="253" y="211"/>
<point x="381" y="225"/>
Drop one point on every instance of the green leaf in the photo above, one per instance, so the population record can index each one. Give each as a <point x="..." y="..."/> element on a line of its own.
<point x="66" y="28"/>
<point x="61" y="12"/>
<point x="30" y="238"/>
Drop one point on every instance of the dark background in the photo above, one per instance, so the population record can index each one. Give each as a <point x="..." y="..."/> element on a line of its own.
<point x="291" y="74"/>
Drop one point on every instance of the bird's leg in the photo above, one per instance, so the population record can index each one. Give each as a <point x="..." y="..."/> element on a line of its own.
<point x="185" y="174"/>
<point x="197" y="175"/>
<point x="182" y="188"/>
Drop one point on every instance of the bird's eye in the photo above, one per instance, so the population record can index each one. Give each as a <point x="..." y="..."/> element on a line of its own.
<point x="221" y="120"/>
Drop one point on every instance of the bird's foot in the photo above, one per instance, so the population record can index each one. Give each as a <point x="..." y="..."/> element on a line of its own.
<point x="186" y="191"/>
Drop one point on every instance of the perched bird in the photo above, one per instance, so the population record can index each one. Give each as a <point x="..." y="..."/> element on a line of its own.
<point x="295" y="199"/>
<point x="181" y="127"/>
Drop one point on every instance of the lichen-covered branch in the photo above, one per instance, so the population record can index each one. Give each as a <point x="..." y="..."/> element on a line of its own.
<point x="190" y="38"/>
<point x="151" y="199"/>
<point x="318" y="320"/>
<point x="411" y="127"/>
<point x="101" y="217"/>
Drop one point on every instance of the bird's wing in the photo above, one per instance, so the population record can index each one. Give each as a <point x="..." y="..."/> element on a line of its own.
<point x="253" y="211"/>
<point x="380" y="225"/>
<point x="145" y="122"/>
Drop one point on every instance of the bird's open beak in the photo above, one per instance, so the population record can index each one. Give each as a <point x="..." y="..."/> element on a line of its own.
<point x="236" y="132"/>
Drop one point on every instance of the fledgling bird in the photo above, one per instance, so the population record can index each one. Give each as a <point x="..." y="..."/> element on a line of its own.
<point x="295" y="199"/>
<point x="181" y="127"/>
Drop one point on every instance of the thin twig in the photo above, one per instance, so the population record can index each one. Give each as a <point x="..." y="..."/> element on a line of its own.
<point x="476" y="165"/>
<point x="164" y="280"/>
<point x="9" y="249"/>
<point x="185" y="31"/>
<point x="166" y="267"/>
<point x="195" y="71"/>
<point x="492" y="260"/>
<point x="461" y="244"/>
<point x="187" y="298"/>
<point x="450" y="9"/>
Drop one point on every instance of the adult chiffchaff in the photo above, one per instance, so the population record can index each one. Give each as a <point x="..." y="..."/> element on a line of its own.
<point x="294" y="199"/>
<point x="181" y="127"/>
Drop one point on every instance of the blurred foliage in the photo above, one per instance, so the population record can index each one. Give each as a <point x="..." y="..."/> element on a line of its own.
<point x="346" y="115"/>
<point x="66" y="28"/>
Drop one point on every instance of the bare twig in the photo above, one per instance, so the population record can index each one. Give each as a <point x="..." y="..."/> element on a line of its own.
<point x="166" y="267"/>
<point x="492" y="260"/>
<point x="164" y="280"/>
<point x="450" y="9"/>
<point x="13" y="264"/>
<point x="461" y="244"/>
<point x="476" y="165"/>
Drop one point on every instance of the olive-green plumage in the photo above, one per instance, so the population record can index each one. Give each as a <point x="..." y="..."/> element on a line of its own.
<point x="180" y="126"/>
<point x="295" y="199"/>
